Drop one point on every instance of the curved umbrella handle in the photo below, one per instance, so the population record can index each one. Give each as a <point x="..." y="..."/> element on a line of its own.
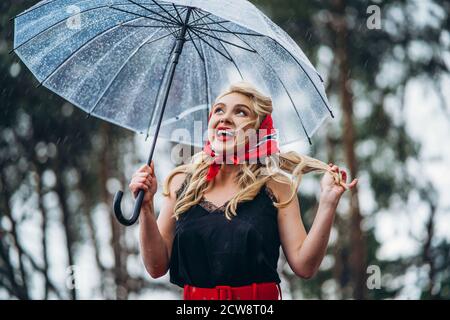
<point x="136" y="210"/>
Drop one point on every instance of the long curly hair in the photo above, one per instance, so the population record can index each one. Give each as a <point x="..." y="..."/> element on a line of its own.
<point x="285" y="167"/>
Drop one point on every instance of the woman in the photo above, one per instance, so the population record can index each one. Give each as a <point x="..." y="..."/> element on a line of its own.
<point x="225" y="215"/>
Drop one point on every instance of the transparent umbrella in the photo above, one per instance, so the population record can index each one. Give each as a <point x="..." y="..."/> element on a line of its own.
<point x="155" y="66"/>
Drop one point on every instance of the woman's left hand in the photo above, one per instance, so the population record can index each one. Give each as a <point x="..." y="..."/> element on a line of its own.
<point x="331" y="191"/>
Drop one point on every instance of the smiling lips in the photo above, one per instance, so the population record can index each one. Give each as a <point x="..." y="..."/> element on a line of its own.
<point x="224" y="133"/>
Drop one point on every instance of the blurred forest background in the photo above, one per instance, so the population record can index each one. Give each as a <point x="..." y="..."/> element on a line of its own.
<point x="390" y="89"/>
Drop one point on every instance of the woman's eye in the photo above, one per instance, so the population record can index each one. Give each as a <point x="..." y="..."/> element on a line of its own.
<point x="242" y="112"/>
<point x="217" y="110"/>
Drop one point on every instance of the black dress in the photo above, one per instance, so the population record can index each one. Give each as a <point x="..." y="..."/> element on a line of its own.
<point x="209" y="250"/>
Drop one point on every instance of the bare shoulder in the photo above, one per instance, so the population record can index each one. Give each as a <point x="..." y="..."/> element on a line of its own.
<point x="282" y="191"/>
<point x="176" y="183"/>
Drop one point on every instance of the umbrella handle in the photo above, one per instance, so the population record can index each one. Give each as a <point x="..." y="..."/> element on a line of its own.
<point x="137" y="208"/>
<point x="164" y="91"/>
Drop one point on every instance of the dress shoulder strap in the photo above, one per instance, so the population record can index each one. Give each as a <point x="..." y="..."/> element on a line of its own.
<point x="270" y="193"/>
<point x="182" y="187"/>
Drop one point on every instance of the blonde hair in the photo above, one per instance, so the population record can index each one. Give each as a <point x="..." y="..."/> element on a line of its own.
<point x="251" y="176"/>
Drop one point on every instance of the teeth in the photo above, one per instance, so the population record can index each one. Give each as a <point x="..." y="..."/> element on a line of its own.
<point x="225" y="132"/>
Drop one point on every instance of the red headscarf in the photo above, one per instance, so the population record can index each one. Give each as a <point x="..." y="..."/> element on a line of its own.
<point x="266" y="145"/>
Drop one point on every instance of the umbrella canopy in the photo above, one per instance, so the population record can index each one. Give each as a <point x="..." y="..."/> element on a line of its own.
<point x="109" y="57"/>
<point x="155" y="66"/>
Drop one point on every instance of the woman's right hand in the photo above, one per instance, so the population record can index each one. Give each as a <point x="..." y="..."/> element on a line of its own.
<point x="144" y="178"/>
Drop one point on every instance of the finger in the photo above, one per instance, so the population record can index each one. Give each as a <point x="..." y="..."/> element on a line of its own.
<point x="135" y="187"/>
<point x="344" y="175"/>
<point x="140" y="180"/>
<point x="142" y="168"/>
<point x="148" y="169"/>
<point x="148" y="183"/>
<point x="353" y="183"/>
<point x="140" y="174"/>
<point x="136" y="181"/>
<point x="141" y="186"/>
<point x="145" y="174"/>
<point x="335" y="168"/>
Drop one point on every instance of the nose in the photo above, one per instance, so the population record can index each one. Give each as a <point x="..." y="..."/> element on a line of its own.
<point x="225" y="118"/>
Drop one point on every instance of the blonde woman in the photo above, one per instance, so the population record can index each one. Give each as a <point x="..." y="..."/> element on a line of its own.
<point x="226" y="213"/>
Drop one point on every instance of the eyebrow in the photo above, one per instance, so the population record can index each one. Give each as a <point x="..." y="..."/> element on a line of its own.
<point x="237" y="105"/>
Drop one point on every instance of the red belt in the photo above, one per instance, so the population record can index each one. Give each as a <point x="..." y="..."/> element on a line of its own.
<point x="254" y="291"/>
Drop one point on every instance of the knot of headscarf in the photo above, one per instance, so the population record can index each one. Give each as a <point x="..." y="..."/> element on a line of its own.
<point x="266" y="144"/>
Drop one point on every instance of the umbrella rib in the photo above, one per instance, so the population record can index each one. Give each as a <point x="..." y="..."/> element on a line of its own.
<point x="154" y="12"/>
<point x="56" y="23"/>
<point x="102" y="58"/>
<point x="209" y="23"/>
<point x="232" y="60"/>
<point x="32" y="9"/>
<point x="287" y="92"/>
<point x="198" y="14"/>
<point x="229" y="32"/>
<point x="183" y="11"/>
<point x="123" y="66"/>
<point x="304" y="71"/>
<point x="143" y="16"/>
<point x="142" y="26"/>
<point x="169" y="23"/>
<point x="290" y="98"/>
<point x="182" y="115"/>
<point x="75" y="14"/>
<point x="217" y="38"/>
<point x="178" y="14"/>
<point x="212" y="47"/>
<point x="37" y="7"/>
<point x="309" y="140"/>
<point x="159" y="90"/>
<point x="208" y="96"/>
<point x="236" y="34"/>
<point x="282" y="83"/>
<point x="173" y="17"/>
<point x="81" y="47"/>
<point x="195" y="46"/>
<point x="220" y="40"/>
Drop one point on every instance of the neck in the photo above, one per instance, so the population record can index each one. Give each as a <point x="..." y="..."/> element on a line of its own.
<point x="227" y="173"/>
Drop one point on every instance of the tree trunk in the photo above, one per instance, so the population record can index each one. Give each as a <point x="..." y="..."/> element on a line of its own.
<point x="86" y="206"/>
<point x="70" y="239"/>
<point x="358" y="241"/>
<point x="120" y="255"/>
<point x="21" y="288"/>
<point x="428" y="256"/>
<point x="44" y="231"/>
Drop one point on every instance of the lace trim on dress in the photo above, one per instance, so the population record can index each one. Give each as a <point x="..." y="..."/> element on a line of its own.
<point x="181" y="189"/>
<point x="211" y="207"/>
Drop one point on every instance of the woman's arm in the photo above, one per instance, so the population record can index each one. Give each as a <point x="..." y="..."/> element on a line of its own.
<point x="304" y="252"/>
<point x="313" y="249"/>
<point x="156" y="235"/>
